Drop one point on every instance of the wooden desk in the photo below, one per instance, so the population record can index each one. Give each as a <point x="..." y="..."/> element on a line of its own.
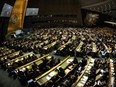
<point x="94" y="48"/>
<point x="84" y="78"/>
<point x="74" y="37"/>
<point x="90" y="37"/>
<point x="50" y="45"/>
<point x="6" y="52"/>
<point x="111" y="77"/>
<point x="107" y="49"/>
<point x="82" y="37"/>
<point x="3" y="50"/>
<point x="79" y="78"/>
<point x="64" y="45"/>
<point x="37" y="61"/>
<point x="40" y="44"/>
<point x="10" y="55"/>
<point x="78" y="49"/>
<point x="52" y="72"/>
<point x="19" y="58"/>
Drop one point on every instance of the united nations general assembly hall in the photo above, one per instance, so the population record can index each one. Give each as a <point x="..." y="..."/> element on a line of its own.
<point x="57" y="43"/>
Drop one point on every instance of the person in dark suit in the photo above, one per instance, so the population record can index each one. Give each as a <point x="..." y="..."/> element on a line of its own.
<point x="20" y="74"/>
<point x="57" y="61"/>
<point x="21" y="53"/>
<point x="84" y="62"/>
<point x="72" y="79"/>
<point x="48" y="84"/>
<point x="34" y="57"/>
<point x="36" y="73"/>
<point x="34" y="66"/>
<point x="20" y="63"/>
<point x="66" y="83"/>
<point x="75" y="61"/>
<point x="61" y="72"/>
<point x="51" y="62"/>
<point x="46" y="68"/>
<point x="44" y="60"/>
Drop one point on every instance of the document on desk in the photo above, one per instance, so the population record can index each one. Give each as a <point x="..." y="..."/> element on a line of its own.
<point x="53" y="73"/>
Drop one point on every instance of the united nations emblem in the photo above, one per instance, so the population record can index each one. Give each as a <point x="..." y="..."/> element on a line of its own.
<point x="14" y="19"/>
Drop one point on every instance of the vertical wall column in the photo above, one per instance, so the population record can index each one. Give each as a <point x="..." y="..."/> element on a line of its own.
<point x="17" y="16"/>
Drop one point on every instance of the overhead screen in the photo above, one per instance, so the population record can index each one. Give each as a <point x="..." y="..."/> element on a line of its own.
<point x="32" y="11"/>
<point x="7" y="9"/>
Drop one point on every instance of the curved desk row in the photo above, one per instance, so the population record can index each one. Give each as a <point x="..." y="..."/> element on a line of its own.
<point x="85" y="77"/>
<point x="53" y="72"/>
<point x="111" y="73"/>
<point x="79" y="78"/>
<point x="19" y="58"/>
<point x="37" y="61"/>
<point x="10" y="55"/>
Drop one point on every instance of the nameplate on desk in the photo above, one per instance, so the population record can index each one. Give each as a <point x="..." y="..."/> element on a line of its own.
<point x="52" y="74"/>
<point x="29" y="81"/>
<point x="69" y="60"/>
<point x="48" y="77"/>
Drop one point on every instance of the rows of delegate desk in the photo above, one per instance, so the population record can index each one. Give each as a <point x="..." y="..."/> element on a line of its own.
<point x="67" y="41"/>
<point x="20" y="57"/>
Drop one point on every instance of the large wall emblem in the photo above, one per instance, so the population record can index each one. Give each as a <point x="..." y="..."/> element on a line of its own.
<point x="14" y="19"/>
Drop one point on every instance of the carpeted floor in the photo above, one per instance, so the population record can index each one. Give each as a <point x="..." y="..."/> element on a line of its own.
<point x="6" y="81"/>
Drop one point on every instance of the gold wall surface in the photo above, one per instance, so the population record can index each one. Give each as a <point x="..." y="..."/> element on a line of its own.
<point x="17" y="16"/>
